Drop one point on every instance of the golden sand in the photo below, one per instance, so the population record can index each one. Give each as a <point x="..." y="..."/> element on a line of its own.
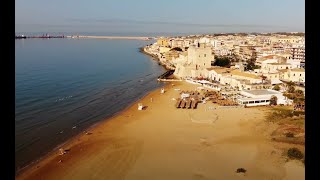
<point x="163" y="142"/>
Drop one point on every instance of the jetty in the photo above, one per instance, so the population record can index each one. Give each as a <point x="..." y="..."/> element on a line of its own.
<point x="113" y="37"/>
<point x="44" y="36"/>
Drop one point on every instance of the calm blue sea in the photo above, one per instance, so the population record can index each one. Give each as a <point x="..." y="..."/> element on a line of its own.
<point x="63" y="86"/>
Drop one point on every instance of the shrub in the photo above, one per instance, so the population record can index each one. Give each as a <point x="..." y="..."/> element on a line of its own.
<point x="222" y="61"/>
<point x="276" y="87"/>
<point x="241" y="170"/>
<point x="295" y="153"/>
<point x="273" y="100"/>
<point x="289" y="135"/>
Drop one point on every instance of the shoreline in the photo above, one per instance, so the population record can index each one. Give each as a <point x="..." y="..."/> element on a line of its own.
<point x="72" y="140"/>
<point x="166" y="140"/>
<point x="34" y="162"/>
<point x="76" y="136"/>
<point x="154" y="57"/>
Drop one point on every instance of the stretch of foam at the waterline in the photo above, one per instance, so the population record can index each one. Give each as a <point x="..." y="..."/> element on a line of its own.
<point x="90" y="128"/>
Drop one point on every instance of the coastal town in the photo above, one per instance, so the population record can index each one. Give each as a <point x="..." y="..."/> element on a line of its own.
<point x="231" y="107"/>
<point x="161" y="90"/>
<point x="248" y="69"/>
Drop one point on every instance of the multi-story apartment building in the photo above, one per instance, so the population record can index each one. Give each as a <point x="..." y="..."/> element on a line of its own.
<point x="298" y="53"/>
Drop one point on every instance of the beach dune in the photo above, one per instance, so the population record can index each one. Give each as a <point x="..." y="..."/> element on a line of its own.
<point x="164" y="142"/>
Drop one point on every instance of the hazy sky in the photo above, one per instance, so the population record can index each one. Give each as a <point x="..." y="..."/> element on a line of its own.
<point x="159" y="16"/>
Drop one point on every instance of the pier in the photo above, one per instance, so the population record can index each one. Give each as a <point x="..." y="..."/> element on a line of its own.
<point x="114" y="37"/>
<point x="45" y="36"/>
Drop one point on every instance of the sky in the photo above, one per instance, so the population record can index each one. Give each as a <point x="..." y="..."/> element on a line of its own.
<point x="130" y="17"/>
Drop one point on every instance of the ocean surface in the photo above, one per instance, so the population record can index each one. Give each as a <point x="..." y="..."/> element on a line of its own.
<point x="64" y="86"/>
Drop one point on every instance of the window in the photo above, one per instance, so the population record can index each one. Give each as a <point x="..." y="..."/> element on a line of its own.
<point x="256" y="101"/>
<point x="204" y="55"/>
<point x="267" y="100"/>
<point x="246" y="102"/>
<point x="300" y="75"/>
<point x="294" y="74"/>
<point x="251" y="102"/>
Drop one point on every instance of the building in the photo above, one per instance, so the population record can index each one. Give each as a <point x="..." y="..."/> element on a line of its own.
<point x="172" y="54"/>
<point x="163" y="49"/>
<point x="198" y="59"/>
<point x="261" y="97"/>
<point x="235" y="78"/>
<point x="295" y="75"/>
<point x="164" y="42"/>
<point x="298" y="53"/>
<point x="274" y="67"/>
<point x="200" y="56"/>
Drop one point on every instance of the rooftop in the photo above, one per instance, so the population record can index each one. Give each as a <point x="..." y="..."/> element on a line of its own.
<point x="294" y="69"/>
<point x="280" y="64"/>
<point x="239" y="73"/>
<point x="261" y="92"/>
<point x="252" y="99"/>
<point x="298" y="70"/>
<point x="219" y="69"/>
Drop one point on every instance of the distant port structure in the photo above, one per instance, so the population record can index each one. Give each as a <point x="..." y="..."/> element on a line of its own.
<point x="113" y="37"/>
<point x="47" y="36"/>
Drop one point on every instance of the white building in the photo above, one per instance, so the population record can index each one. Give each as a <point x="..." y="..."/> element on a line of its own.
<point x="295" y="75"/>
<point x="261" y="97"/>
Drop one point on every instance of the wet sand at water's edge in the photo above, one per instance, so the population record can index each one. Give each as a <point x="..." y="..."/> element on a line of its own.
<point x="163" y="142"/>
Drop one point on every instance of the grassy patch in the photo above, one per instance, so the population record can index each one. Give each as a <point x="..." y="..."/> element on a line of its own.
<point x="285" y="115"/>
<point x="294" y="153"/>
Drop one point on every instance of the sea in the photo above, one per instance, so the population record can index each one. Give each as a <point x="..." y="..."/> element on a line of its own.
<point x="64" y="86"/>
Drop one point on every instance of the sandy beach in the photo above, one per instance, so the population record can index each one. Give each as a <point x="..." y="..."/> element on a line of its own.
<point x="163" y="142"/>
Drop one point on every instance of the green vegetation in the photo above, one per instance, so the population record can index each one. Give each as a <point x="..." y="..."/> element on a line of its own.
<point x="291" y="34"/>
<point x="285" y="115"/>
<point x="176" y="49"/>
<point x="250" y="66"/>
<point x="289" y="135"/>
<point x="222" y="61"/>
<point x="251" y="63"/>
<point x="273" y="100"/>
<point x="241" y="170"/>
<point x="295" y="153"/>
<point x="296" y="95"/>
<point x="291" y="89"/>
<point x="276" y="87"/>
